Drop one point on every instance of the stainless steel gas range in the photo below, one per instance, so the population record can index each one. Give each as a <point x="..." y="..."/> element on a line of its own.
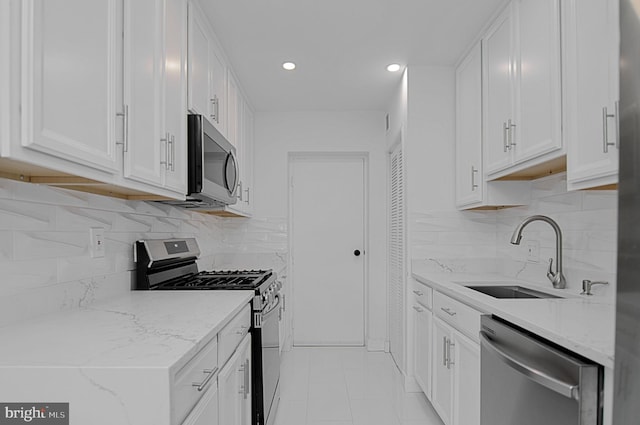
<point x="170" y="264"/>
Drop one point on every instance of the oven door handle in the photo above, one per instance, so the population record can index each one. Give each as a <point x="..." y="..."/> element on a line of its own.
<point x="274" y="308"/>
<point x="553" y="383"/>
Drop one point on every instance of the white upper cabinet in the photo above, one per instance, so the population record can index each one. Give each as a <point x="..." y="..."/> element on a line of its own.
<point x="5" y="71"/>
<point x="154" y="87"/>
<point x="199" y="40"/>
<point x="522" y="86"/>
<point x="68" y="73"/>
<point x="234" y="110"/>
<point x="175" y="93"/>
<point x="143" y="51"/>
<point x="591" y="38"/>
<point x="498" y="91"/>
<point x="538" y="98"/>
<point x="472" y="190"/>
<point x="469" y="171"/>
<point x="207" y="72"/>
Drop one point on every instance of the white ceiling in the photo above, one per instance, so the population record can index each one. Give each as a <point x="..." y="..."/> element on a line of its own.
<point x="341" y="47"/>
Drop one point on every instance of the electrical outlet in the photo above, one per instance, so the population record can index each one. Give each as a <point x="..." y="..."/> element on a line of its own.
<point x="96" y="242"/>
<point x="533" y="251"/>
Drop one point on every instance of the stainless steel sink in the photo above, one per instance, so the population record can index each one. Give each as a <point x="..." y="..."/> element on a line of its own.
<point x="512" y="291"/>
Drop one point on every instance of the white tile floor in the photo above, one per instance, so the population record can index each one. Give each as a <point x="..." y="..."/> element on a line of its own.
<point x="347" y="386"/>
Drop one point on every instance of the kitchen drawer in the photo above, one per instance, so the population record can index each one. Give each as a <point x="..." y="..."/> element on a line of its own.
<point x="459" y="315"/>
<point x="422" y="294"/>
<point x="231" y="335"/>
<point x="201" y="369"/>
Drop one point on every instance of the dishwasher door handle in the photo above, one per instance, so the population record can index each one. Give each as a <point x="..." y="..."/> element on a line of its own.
<point x="555" y="384"/>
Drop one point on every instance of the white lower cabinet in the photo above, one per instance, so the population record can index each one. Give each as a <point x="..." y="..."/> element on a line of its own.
<point x="466" y="380"/>
<point x="206" y="411"/>
<point x="442" y="390"/>
<point x="423" y="328"/>
<point x="447" y="364"/>
<point x="234" y="383"/>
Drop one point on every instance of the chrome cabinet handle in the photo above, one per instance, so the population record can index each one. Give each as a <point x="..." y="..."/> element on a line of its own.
<point x="125" y="127"/>
<point x="605" y="130"/>
<point x="166" y="140"/>
<point x="240" y="191"/>
<point x="448" y="311"/>
<point x="474" y="186"/>
<point x="512" y="138"/>
<point x="449" y="345"/>
<point x="444" y="351"/>
<point x="418" y="309"/>
<point x="617" y="121"/>
<point x="247" y="190"/>
<point x="216" y="109"/>
<point x="172" y="152"/>
<point x="505" y="129"/>
<point x="247" y="375"/>
<point x="418" y="293"/>
<point x="211" y="373"/>
<point x="214" y="104"/>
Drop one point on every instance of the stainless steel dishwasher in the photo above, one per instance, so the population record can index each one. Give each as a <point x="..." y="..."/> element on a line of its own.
<point x="527" y="381"/>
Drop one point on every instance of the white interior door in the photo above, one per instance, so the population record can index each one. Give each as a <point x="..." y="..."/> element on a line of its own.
<point x="327" y="201"/>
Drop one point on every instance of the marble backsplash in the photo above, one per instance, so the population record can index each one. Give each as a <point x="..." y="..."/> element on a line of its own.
<point x="478" y="241"/>
<point x="45" y="262"/>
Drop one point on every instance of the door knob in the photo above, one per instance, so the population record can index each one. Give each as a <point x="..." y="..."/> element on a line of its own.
<point x="356" y="252"/>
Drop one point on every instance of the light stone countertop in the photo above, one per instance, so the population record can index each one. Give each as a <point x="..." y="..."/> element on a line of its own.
<point x="582" y="324"/>
<point x="114" y="362"/>
<point x="150" y="329"/>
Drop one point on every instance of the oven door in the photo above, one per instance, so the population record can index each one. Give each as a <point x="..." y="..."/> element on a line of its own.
<point x="270" y="358"/>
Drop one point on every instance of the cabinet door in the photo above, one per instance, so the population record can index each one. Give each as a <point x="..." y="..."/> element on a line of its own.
<point x="590" y="67"/>
<point x="198" y="69"/>
<point x="247" y="160"/>
<point x="498" y="81"/>
<point x="539" y="120"/>
<point x="175" y="82"/>
<point x="206" y="411"/>
<point x="247" y="390"/>
<point x="218" y="89"/>
<point x="5" y="82"/>
<point x="235" y="393"/>
<point x="69" y="87"/>
<point x="423" y="343"/>
<point x="442" y="390"/>
<point x="469" y="176"/>
<point x="233" y="111"/>
<point x="466" y="381"/>
<point x="145" y="147"/>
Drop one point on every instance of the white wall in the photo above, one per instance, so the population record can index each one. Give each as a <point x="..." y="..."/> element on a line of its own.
<point x="278" y="133"/>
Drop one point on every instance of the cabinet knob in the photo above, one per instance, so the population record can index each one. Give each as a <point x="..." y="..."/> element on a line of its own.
<point x="356" y="252"/>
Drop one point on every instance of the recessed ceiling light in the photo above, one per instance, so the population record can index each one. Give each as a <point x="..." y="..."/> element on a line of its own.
<point x="289" y="66"/>
<point x="394" y="67"/>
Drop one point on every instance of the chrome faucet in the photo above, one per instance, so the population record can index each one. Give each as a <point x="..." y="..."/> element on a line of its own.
<point x="557" y="279"/>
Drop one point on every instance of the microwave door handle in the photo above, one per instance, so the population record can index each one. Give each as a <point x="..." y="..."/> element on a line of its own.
<point x="232" y="158"/>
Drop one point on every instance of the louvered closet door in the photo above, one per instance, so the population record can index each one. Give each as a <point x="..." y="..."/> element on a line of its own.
<point x="397" y="259"/>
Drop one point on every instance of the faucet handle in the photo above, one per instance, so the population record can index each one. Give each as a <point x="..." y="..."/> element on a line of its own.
<point x="587" y="284"/>
<point x="550" y="274"/>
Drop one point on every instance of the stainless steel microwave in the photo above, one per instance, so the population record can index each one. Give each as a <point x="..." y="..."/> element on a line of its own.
<point x="212" y="168"/>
